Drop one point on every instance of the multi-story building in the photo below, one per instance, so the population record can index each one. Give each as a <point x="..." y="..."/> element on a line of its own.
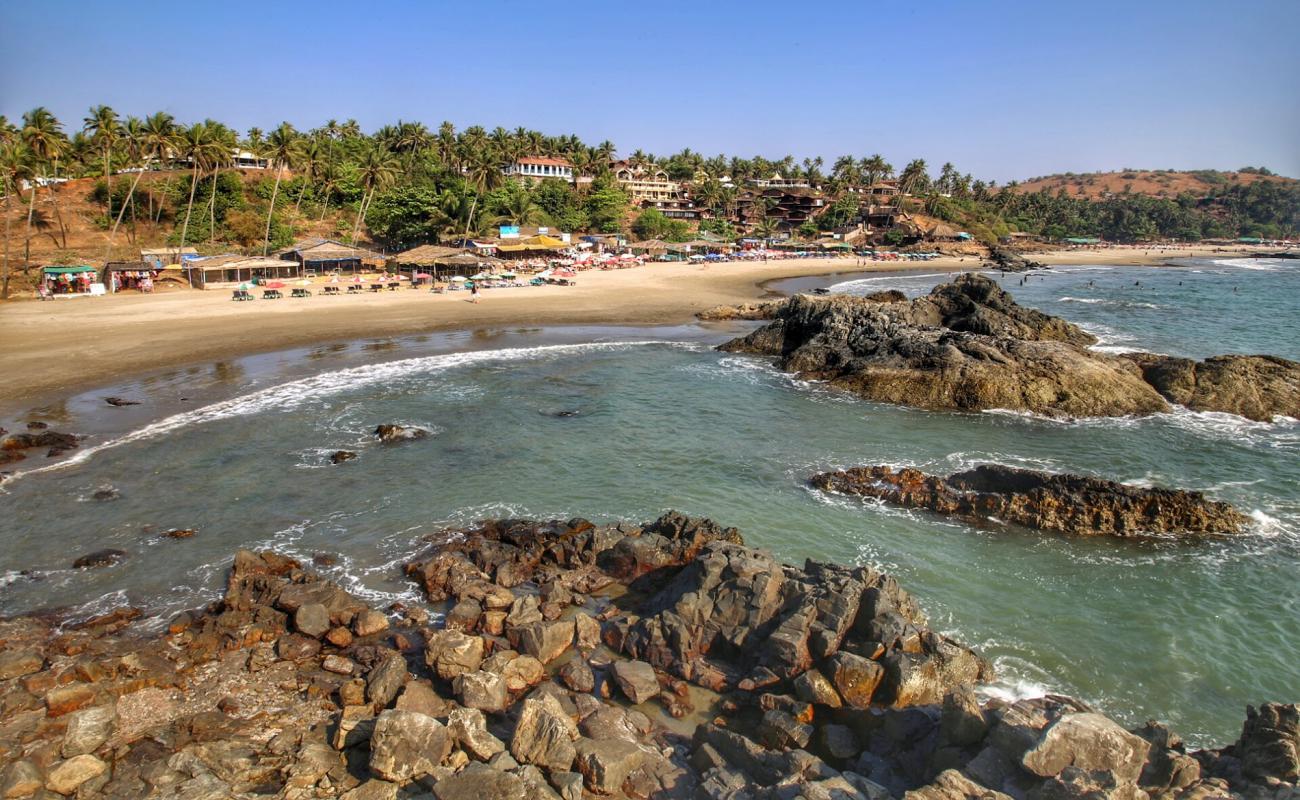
<point x="538" y="168"/>
<point x="645" y="181"/>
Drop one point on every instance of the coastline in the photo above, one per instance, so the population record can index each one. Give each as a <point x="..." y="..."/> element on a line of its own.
<point x="58" y="348"/>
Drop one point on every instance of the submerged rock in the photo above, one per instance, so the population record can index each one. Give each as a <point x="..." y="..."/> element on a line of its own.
<point x="100" y="558"/>
<point x="1047" y="501"/>
<point x="339" y="456"/>
<point x="392" y="434"/>
<point x="119" y="401"/>
<point x="1255" y="387"/>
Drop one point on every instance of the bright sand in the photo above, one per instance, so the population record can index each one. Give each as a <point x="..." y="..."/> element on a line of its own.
<point x="49" y="349"/>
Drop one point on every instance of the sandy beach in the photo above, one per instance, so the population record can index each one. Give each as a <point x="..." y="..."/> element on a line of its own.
<point x="49" y="349"/>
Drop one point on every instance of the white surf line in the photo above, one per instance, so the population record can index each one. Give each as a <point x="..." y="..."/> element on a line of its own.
<point x="290" y="395"/>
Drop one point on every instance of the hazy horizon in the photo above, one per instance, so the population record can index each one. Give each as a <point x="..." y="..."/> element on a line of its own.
<point x="1005" y="91"/>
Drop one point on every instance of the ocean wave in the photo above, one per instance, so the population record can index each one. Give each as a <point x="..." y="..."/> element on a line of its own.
<point x="1103" y="301"/>
<point x="295" y="394"/>
<point x="1253" y="264"/>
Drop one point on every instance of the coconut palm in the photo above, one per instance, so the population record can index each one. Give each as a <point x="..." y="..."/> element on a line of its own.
<point x="282" y="146"/>
<point x="876" y="168"/>
<point x="198" y="145"/>
<point x="376" y="170"/>
<point x="43" y="134"/>
<point x="225" y="143"/>
<point x="15" y="167"/>
<point x="519" y="207"/>
<point x="150" y="141"/>
<point x="311" y="157"/>
<point x="8" y="133"/>
<point x="105" y="130"/>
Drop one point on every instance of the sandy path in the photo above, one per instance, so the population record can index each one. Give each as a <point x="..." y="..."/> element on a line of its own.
<point x="52" y="348"/>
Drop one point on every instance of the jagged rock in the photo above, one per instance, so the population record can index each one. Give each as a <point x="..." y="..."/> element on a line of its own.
<point x="312" y="619"/>
<point x="452" y="653"/>
<point x="855" y="678"/>
<point x="369" y="622"/>
<point x="17" y="663"/>
<point x="813" y="687"/>
<point x="106" y="494"/>
<point x="339" y="456"/>
<point x="21" y="778"/>
<point x="779" y="730"/>
<point x="468" y="729"/>
<point x="546" y="641"/>
<point x="66" y="699"/>
<point x="100" y="558"/>
<point x="65" y="777"/>
<point x="966" y="347"/>
<point x="1255" y="387"/>
<point x="88" y="729"/>
<point x="1269" y="746"/>
<point x="406" y="745"/>
<point x="952" y="785"/>
<point x="636" y="679"/>
<point x="962" y="722"/>
<point x="119" y="402"/>
<point x="1068" y="503"/>
<point x="296" y="647"/>
<point x="372" y="789"/>
<point x="482" y="690"/>
<point x="1089" y="742"/>
<point x="606" y="764"/>
<point x="391" y="434"/>
<point x="57" y="442"/>
<point x="386" y="679"/>
<point x="568" y="785"/>
<point x="1010" y="261"/>
<point x="761" y="310"/>
<point x="586" y="632"/>
<point x="577" y="675"/>
<point x="838" y="741"/>
<point x="481" y="782"/>
<point x="544" y="735"/>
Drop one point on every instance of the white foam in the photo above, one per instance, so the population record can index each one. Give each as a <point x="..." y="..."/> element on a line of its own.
<point x="294" y="394"/>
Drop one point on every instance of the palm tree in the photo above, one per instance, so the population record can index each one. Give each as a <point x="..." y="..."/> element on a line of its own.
<point x="376" y="170"/>
<point x="147" y="141"/>
<point x="8" y="133"/>
<point x="43" y="134"/>
<point x="876" y="168"/>
<point x="195" y="143"/>
<point x="519" y="208"/>
<point x="15" y="167"/>
<point x="310" y="158"/>
<point x="281" y="148"/>
<point x="105" y="129"/>
<point x="225" y="142"/>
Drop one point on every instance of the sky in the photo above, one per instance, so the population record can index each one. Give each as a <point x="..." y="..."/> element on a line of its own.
<point x="1004" y="90"/>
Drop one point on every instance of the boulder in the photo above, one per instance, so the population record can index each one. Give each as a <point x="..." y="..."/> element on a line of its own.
<point x="1057" y="502"/>
<point x="21" y="778"/>
<point x="452" y="653"/>
<point x="66" y="776"/>
<point x="636" y="679"/>
<point x="17" y="663"/>
<point x="406" y="745"/>
<point x="312" y="619"/>
<point x="88" y="729"/>
<point x="606" y="764"/>
<point x="339" y="456"/>
<point x="813" y="687"/>
<point x="952" y="785"/>
<point x="482" y="690"/>
<point x="481" y="782"/>
<point x="544" y="735"/>
<point x="577" y="675"/>
<point x="855" y="678"/>
<point x="1269" y="747"/>
<point x="468" y="729"/>
<point x="1090" y="742"/>
<point x="1255" y="387"/>
<point x="386" y="679"/>
<point x="369" y="622"/>
<point x="546" y="641"/>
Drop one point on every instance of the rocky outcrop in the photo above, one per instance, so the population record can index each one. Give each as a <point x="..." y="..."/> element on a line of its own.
<point x="1068" y="503"/>
<point x="967" y="346"/>
<point x="57" y="443"/>
<point x="393" y="434"/>
<point x="1255" y="387"/>
<point x="1007" y="260"/>
<point x="290" y="687"/>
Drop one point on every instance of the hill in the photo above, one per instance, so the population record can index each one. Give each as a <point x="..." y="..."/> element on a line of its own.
<point x="1152" y="183"/>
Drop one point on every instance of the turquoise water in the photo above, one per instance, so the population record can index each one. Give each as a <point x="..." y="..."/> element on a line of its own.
<point x="1187" y="632"/>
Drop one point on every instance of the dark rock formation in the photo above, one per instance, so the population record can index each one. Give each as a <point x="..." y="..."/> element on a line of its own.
<point x="391" y="434"/>
<point x="1068" y="503"/>
<point x="119" y="401"/>
<point x="100" y="558"/>
<point x="1255" y="387"/>
<point x="339" y="456"/>
<point x="760" y="310"/>
<point x="288" y="687"/>
<point x="966" y="346"/>
<point x="1001" y="258"/>
<point x="58" y="443"/>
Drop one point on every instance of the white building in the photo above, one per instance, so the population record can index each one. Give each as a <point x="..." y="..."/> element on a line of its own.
<point x="539" y="168"/>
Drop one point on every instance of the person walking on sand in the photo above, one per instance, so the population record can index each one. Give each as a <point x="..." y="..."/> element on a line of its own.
<point x="473" y="293"/>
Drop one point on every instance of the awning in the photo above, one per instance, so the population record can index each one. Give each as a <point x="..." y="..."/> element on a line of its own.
<point x="68" y="270"/>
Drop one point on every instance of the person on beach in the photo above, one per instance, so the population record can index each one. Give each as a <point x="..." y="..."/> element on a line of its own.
<point x="473" y="293"/>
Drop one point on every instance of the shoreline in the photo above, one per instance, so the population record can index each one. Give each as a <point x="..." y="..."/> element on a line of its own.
<point x="62" y="348"/>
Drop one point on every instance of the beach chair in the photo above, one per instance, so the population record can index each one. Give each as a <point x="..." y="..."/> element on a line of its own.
<point x="332" y="291"/>
<point x="301" y="293"/>
<point x="354" y="288"/>
<point x="271" y="294"/>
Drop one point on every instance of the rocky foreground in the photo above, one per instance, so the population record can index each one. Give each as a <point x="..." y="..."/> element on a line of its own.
<point x="664" y="660"/>
<point x="968" y="346"/>
<point x="1053" y="502"/>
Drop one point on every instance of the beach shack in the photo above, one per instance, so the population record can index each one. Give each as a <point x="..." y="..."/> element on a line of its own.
<point x="229" y="270"/>
<point x="70" y="281"/>
<point x="162" y="257"/>
<point x="319" y="256"/>
<point x="531" y="247"/>
<point x="119" y="276"/>
<point x="423" y="260"/>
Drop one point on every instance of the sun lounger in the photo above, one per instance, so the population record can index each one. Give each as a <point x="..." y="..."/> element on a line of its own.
<point x="332" y="290"/>
<point x="240" y="294"/>
<point x="271" y="294"/>
<point x="301" y="293"/>
<point x="354" y="288"/>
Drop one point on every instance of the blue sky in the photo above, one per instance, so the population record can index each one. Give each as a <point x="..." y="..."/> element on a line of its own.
<point x="1002" y="89"/>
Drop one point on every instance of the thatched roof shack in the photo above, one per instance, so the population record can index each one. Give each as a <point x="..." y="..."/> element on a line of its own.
<point x="426" y="255"/>
<point x="215" y="271"/>
<point x="466" y="263"/>
<point x="651" y="246"/>
<point x="532" y="246"/>
<point x="327" y="255"/>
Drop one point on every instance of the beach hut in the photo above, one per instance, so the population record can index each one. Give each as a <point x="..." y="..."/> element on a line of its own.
<point x="228" y="270"/>
<point x="318" y="256"/>
<point x="423" y="260"/>
<point x="465" y="263"/>
<point x="164" y="256"/>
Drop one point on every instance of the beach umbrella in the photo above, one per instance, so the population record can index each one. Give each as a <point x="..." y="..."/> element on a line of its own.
<point x="458" y="278"/>
<point x="423" y="275"/>
<point x="275" y="285"/>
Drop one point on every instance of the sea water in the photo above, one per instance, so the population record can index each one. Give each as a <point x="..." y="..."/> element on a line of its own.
<point x="616" y="423"/>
